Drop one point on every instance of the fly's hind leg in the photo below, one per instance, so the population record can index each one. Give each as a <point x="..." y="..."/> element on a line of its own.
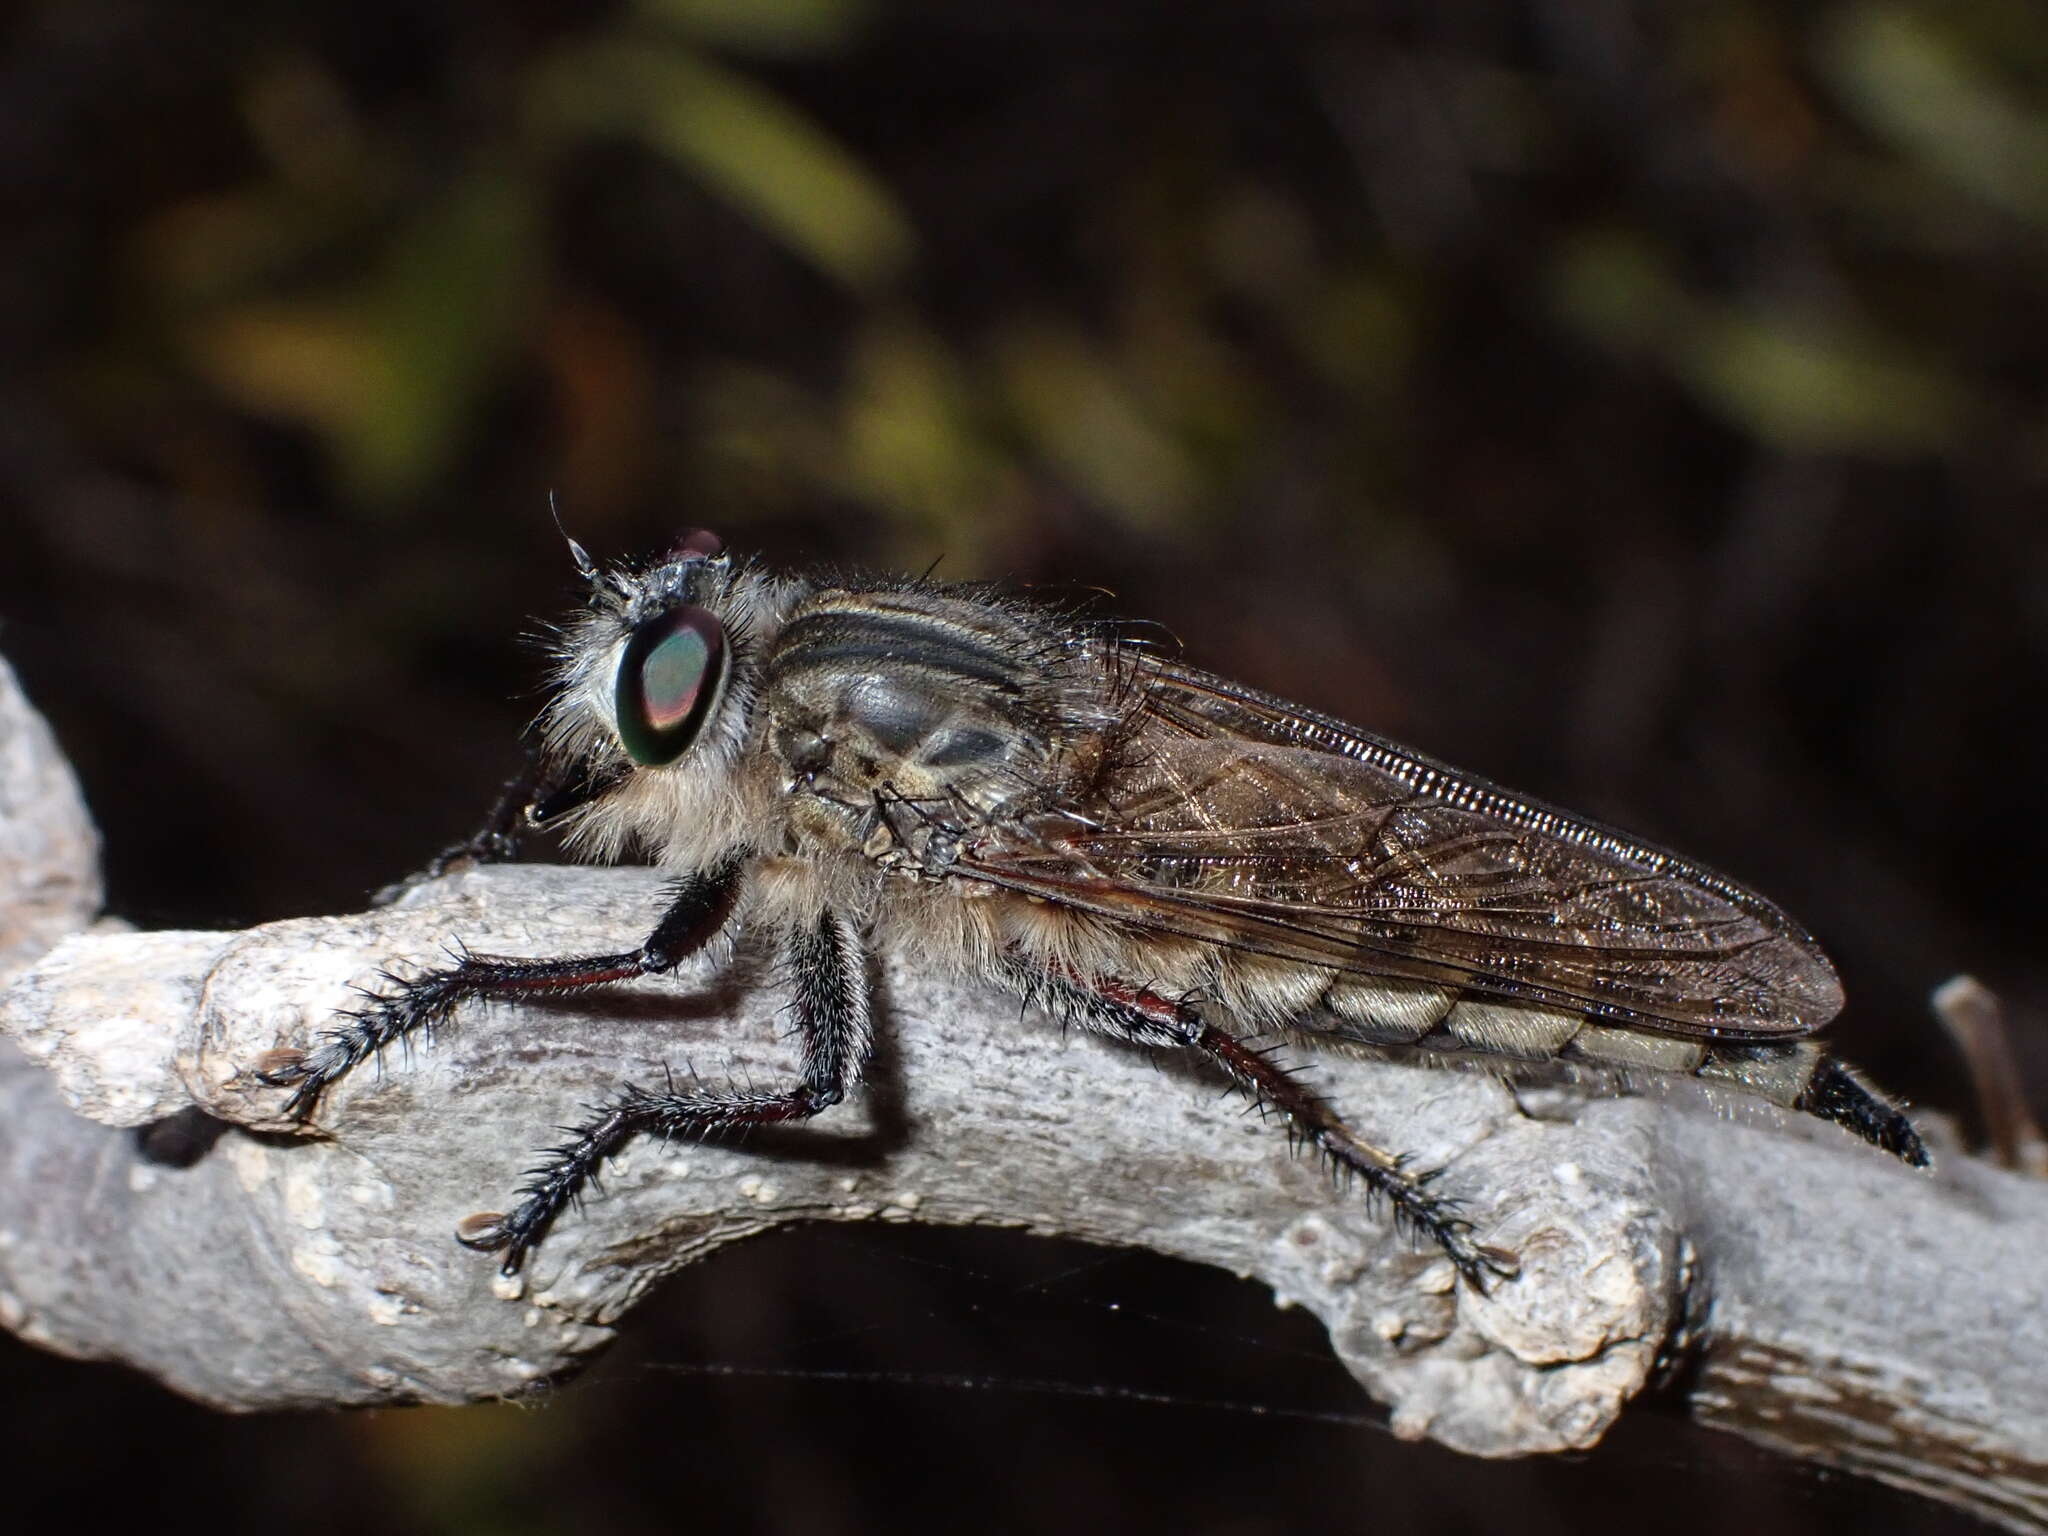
<point x="1384" y="1172"/>
<point x="828" y="972"/>
<point x="1144" y="1018"/>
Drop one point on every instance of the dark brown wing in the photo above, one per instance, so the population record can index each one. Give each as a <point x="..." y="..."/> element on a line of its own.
<point x="1227" y="815"/>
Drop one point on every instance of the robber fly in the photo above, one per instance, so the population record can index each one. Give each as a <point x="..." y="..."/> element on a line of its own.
<point x="1141" y="848"/>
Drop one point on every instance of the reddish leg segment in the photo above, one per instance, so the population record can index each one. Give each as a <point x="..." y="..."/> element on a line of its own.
<point x="1145" y="1018"/>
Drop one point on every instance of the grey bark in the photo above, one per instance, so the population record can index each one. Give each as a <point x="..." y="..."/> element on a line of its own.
<point x="1807" y="1292"/>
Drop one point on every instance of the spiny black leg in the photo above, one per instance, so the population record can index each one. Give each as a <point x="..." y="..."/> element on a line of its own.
<point x="1383" y="1171"/>
<point x="496" y="840"/>
<point x="828" y="973"/>
<point x="1833" y="1093"/>
<point x="698" y="907"/>
<point x="1144" y="1018"/>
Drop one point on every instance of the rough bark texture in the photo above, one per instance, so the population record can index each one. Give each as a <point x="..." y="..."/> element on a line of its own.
<point x="1806" y="1291"/>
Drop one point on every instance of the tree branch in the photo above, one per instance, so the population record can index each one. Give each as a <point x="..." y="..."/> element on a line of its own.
<point x="154" y="1208"/>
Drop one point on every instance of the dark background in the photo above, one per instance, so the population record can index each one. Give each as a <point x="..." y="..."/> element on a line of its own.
<point x="1642" y="404"/>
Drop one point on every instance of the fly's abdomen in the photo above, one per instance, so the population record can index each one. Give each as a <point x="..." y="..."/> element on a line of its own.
<point x="1444" y="1022"/>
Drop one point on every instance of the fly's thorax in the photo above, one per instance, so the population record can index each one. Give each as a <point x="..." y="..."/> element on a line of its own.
<point x="974" y="929"/>
<point x="901" y="720"/>
<point x="682" y="817"/>
<point x="948" y="927"/>
<point x="791" y="892"/>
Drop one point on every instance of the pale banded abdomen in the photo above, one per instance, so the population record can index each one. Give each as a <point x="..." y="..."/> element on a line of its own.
<point x="1442" y="1022"/>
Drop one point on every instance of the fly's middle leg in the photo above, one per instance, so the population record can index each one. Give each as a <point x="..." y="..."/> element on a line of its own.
<point x="827" y="971"/>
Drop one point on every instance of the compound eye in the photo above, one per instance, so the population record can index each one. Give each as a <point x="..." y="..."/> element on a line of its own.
<point x="667" y="681"/>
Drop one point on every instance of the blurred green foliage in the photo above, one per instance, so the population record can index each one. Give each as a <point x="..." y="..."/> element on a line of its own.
<point x="383" y="272"/>
<point x="376" y="301"/>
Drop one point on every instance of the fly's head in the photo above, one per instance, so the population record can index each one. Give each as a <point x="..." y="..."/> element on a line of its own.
<point x="655" y="691"/>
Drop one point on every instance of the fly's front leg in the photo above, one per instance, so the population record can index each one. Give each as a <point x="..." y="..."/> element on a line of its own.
<point x="496" y="840"/>
<point x="538" y="794"/>
<point x="697" y="909"/>
<point x="1144" y="1018"/>
<point x="827" y="970"/>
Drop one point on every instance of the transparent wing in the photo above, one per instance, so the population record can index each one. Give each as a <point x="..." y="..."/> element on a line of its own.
<point x="1219" y="813"/>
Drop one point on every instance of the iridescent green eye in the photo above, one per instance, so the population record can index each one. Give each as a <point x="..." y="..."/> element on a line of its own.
<point x="667" y="681"/>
